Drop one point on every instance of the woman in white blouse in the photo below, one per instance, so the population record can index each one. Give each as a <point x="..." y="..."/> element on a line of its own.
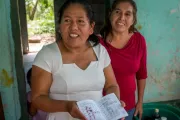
<point x="74" y="68"/>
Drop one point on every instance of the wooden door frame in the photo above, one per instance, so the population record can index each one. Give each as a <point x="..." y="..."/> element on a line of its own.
<point x="18" y="54"/>
<point x="1" y="110"/>
<point x="23" y="26"/>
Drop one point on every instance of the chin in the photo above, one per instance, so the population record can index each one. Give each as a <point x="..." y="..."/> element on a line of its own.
<point x="74" y="45"/>
<point x="121" y="31"/>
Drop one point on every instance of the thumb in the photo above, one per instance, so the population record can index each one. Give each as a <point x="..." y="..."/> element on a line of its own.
<point x="81" y="115"/>
<point x="136" y="112"/>
<point x="123" y="103"/>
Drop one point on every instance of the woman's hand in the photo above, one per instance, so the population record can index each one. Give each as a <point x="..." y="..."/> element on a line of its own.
<point x="74" y="111"/>
<point x="139" y="110"/>
<point x="31" y="109"/>
<point x="123" y="105"/>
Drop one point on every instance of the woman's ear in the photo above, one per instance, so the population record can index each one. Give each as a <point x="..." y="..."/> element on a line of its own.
<point x="109" y="12"/>
<point x="109" y="15"/>
<point x="92" y="28"/>
<point x="133" y="21"/>
<point x="59" y="31"/>
<point x="59" y="28"/>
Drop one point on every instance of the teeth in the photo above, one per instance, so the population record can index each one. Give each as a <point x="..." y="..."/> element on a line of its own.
<point x="120" y="24"/>
<point x="73" y="35"/>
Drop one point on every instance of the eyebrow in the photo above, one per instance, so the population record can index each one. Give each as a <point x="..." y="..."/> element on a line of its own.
<point x="116" y="9"/>
<point x="126" y="11"/>
<point x="67" y="16"/>
<point x="129" y="11"/>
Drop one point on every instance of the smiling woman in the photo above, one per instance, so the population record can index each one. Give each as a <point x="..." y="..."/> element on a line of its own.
<point x="127" y="50"/>
<point x="74" y="68"/>
<point x="75" y="27"/>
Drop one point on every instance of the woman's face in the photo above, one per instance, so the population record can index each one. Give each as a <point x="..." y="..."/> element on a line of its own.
<point x="121" y="17"/>
<point x="75" y="26"/>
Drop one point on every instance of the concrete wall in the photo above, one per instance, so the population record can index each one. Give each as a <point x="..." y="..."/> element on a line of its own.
<point x="12" y="87"/>
<point x="8" y="81"/>
<point x="159" y="22"/>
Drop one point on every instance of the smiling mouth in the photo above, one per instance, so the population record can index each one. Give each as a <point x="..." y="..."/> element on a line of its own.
<point x="73" y="35"/>
<point x="120" y="24"/>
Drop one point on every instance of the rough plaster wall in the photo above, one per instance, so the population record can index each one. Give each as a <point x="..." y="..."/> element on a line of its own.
<point x="8" y="81"/>
<point x="159" y="22"/>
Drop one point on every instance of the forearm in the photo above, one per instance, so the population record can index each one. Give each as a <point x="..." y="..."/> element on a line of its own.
<point x="113" y="89"/>
<point x="32" y="110"/>
<point x="141" y="86"/>
<point x="46" y="104"/>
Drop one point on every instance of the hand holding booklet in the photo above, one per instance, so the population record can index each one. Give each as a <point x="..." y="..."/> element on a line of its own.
<point x="108" y="108"/>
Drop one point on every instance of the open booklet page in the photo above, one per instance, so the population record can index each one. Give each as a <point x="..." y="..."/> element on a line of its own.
<point x="108" y="108"/>
<point x="111" y="107"/>
<point x="91" y="110"/>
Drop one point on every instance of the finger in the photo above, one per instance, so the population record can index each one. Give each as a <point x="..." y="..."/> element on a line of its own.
<point x="123" y="103"/>
<point x="80" y="115"/>
<point x="76" y="113"/>
<point x="140" y="116"/>
<point x="136" y="112"/>
<point x="122" y="118"/>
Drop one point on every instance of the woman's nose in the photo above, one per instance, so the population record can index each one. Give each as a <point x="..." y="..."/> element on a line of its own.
<point x="121" y="16"/>
<point x="74" y="26"/>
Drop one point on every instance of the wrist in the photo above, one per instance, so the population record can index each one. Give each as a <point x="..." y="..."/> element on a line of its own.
<point x="140" y="101"/>
<point x="69" y="105"/>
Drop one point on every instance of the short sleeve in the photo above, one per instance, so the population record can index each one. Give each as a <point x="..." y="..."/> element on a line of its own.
<point x="43" y="60"/>
<point x="106" y="59"/>
<point x="142" y="72"/>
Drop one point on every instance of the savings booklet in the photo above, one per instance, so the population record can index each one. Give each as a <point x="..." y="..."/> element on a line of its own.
<point x="108" y="108"/>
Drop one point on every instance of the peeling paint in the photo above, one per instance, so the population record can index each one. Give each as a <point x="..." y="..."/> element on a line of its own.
<point x="156" y="53"/>
<point x="177" y="50"/>
<point x="173" y="29"/>
<point x="5" y="79"/>
<point x="173" y="11"/>
<point x="164" y="85"/>
<point x="178" y="17"/>
<point x="5" y="106"/>
<point x="139" y="27"/>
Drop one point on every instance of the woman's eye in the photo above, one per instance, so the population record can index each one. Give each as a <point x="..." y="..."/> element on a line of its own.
<point x="127" y="14"/>
<point x="117" y="11"/>
<point x="67" y="20"/>
<point x="81" y="21"/>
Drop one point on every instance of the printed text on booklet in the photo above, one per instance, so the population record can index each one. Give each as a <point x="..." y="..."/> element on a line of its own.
<point x="108" y="108"/>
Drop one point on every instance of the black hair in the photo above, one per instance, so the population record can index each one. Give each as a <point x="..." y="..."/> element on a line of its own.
<point x="90" y="14"/>
<point x="107" y="28"/>
<point x="28" y="76"/>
